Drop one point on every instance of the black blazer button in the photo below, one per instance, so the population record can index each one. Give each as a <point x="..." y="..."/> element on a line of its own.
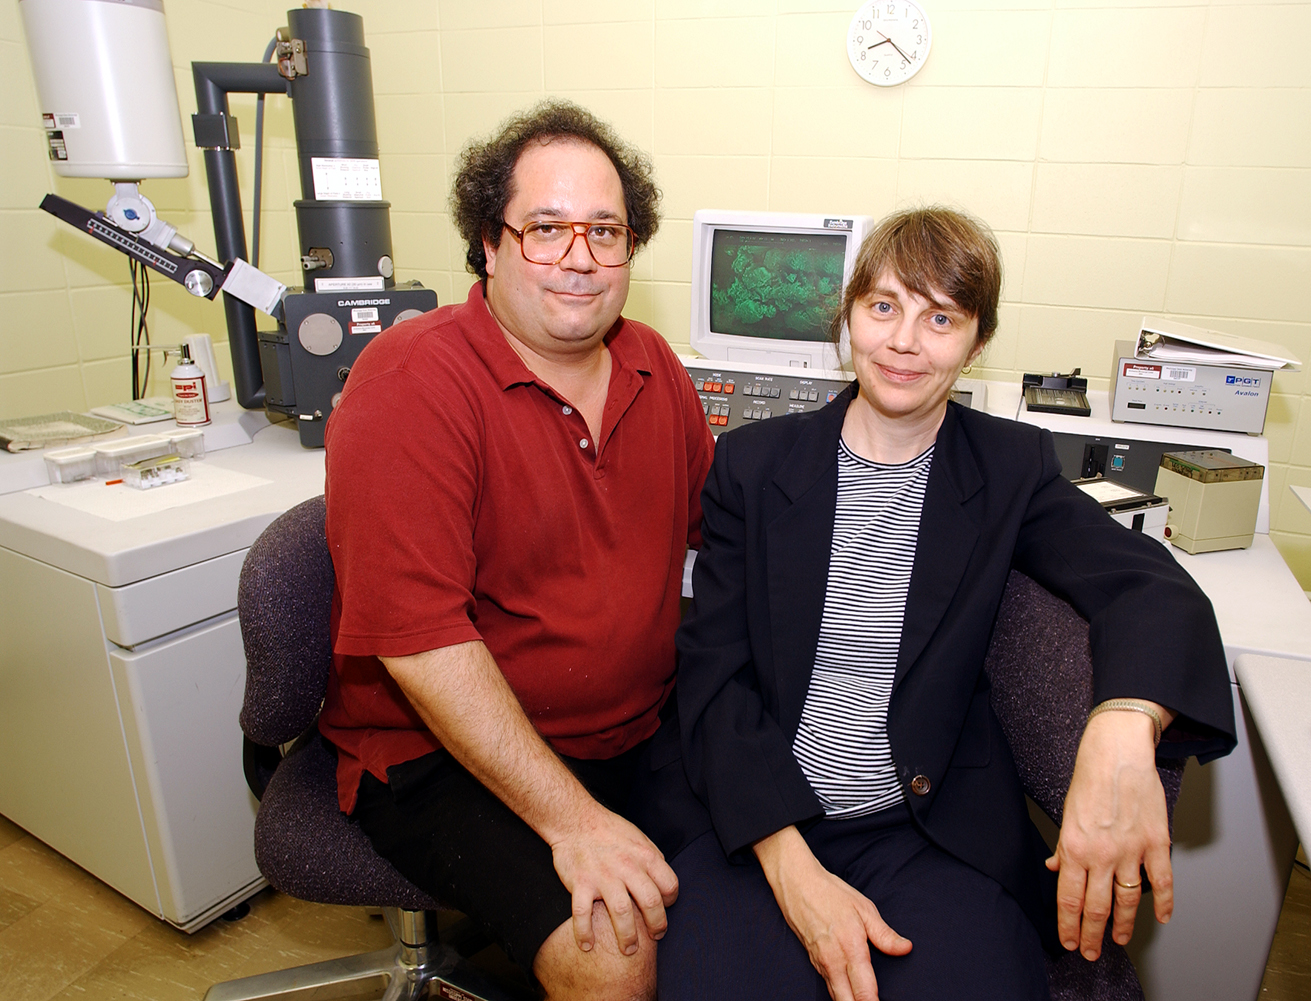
<point x="920" y="785"/>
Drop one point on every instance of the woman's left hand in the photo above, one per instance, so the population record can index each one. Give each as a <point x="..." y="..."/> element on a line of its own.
<point x="1115" y="823"/>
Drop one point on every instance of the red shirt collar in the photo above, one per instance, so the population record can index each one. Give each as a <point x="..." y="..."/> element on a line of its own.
<point x="488" y="341"/>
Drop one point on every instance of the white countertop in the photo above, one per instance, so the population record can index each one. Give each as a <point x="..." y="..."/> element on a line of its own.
<point x="1278" y="693"/>
<point x="121" y="552"/>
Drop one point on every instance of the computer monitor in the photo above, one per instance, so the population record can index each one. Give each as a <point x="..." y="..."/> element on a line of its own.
<point x="766" y="285"/>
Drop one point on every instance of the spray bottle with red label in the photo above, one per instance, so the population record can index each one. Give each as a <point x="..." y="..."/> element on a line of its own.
<point x="190" y="402"/>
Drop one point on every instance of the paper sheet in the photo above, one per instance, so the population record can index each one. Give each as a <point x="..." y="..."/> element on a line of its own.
<point x="119" y="502"/>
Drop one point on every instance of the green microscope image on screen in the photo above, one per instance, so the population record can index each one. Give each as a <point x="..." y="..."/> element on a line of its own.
<point x="783" y="286"/>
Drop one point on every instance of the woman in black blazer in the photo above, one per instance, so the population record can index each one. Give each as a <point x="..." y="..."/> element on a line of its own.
<point x="941" y="890"/>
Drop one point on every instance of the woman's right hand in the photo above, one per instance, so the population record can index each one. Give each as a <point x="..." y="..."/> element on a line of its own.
<point x="834" y="921"/>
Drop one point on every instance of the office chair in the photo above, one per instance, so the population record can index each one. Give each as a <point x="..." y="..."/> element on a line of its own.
<point x="304" y="845"/>
<point x="1040" y="668"/>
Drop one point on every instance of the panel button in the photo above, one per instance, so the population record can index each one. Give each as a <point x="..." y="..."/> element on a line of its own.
<point x="700" y="385"/>
<point x="755" y="415"/>
<point x="920" y="785"/>
<point x="765" y="415"/>
<point x="774" y="392"/>
<point x="832" y="395"/>
<point x="728" y="388"/>
<point x="793" y="394"/>
<point x="814" y="396"/>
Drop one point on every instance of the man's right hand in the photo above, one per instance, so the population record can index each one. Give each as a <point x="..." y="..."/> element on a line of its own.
<point x="834" y="921"/>
<point x="604" y="857"/>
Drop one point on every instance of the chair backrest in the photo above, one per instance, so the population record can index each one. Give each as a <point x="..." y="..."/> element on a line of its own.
<point x="284" y="601"/>
<point x="1040" y="668"/>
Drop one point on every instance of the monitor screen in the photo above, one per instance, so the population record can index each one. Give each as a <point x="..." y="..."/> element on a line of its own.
<point x="779" y="286"/>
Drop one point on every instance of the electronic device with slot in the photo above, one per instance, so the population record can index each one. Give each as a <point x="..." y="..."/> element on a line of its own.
<point x="1056" y="394"/>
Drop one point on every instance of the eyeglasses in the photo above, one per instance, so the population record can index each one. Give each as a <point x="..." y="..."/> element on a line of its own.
<point x="611" y="244"/>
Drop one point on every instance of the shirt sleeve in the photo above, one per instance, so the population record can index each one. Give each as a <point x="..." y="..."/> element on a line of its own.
<point x="403" y="468"/>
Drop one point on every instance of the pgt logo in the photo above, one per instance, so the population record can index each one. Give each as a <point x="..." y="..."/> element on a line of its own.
<point x="1242" y="380"/>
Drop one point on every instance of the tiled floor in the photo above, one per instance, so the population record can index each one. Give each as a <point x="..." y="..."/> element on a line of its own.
<point x="64" y="935"/>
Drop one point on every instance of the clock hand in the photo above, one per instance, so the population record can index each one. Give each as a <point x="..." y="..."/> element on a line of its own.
<point x="895" y="46"/>
<point x="886" y="41"/>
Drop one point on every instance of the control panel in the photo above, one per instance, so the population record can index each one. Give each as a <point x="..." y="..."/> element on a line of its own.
<point x="737" y="393"/>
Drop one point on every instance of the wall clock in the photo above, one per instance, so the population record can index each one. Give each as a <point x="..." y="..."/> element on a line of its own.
<point x="888" y="41"/>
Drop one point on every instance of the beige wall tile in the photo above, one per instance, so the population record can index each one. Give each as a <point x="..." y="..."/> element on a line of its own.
<point x="1115" y="126"/>
<point x="852" y="120"/>
<point x="572" y="56"/>
<point x="110" y="381"/>
<point x="1293" y="515"/>
<point x="1255" y="282"/>
<point x="596" y="11"/>
<point x="1056" y="339"/>
<point x="690" y="183"/>
<point x="26" y="394"/>
<point x="989" y="45"/>
<point x="406" y="62"/>
<point x="413" y="123"/>
<point x="30" y="253"/>
<point x="638" y="305"/>
<point x="811" y="50"/>
<point x="833" y="185"/>
<point x="458" y="14"/>
<point x="19" y="106"/>
<point x="1302" y="439"/>
<point x="101" y="320"/>
<point x="419" y="240"/>
<point x="999" y="355"/>
<point x="387" y="16"/>
<point x="1256" y="127"/>
<point x="715" y="52"/>
<point x="1014" y="249"/>
<point x="1296" y="551"/>
<point x="671" y="312"/>
<point x="415" y="183"/>
<point x="11" y="26"/>
<point x="712" y="122"/>
<point x="1281" y="424"/>
<point x="1106" y="199"/>
<point x="477" y="115"/>
<point x="671" y="9"/>
<point x="1096" y="272"/>
<point x="1246" y="205"/>
<point x="996" y="191"/>
<point x="491" y="60"/>
<point x="670" y="253"/>
<point x="1256" y="45"/>
<point x="23" y="181"/>
<point x="631" y="113"/>
<point x="36" y="331"/>
<point x="1115" y="47"/>
<point x="983" y="123"/>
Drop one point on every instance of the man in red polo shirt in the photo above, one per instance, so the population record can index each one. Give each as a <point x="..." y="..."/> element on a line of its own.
<point x="512" y="485"/>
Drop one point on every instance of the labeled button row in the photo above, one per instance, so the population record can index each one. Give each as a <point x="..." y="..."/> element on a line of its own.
<point x="756" y="414"/>
<point x="711" y="386"/>
<point x="764" y="392"/>
<point x="801" y="394"/>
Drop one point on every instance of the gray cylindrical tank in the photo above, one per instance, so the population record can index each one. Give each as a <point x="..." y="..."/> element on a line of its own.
<point x="341" y="210"/>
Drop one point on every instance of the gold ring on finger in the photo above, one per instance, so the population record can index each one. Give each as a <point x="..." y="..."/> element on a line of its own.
<point x="1127" y="886"/>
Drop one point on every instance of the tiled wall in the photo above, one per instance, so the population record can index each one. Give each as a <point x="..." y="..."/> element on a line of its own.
<point x="1132" y="156"/>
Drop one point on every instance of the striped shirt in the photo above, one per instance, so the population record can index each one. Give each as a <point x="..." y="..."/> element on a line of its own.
<point x="842" y="742"/>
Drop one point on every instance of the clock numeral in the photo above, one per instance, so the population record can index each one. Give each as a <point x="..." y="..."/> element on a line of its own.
<point x="892" y="8"/>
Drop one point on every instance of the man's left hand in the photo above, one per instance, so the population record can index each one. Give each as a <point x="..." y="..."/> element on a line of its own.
<point x="1115" y="824"/>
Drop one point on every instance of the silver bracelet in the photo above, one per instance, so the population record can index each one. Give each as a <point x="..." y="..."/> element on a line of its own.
<point x="1130" y="705"/>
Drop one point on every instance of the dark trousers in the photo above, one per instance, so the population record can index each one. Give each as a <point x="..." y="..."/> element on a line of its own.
<point x="448" y="835"/>
<point x="728" y="940"/>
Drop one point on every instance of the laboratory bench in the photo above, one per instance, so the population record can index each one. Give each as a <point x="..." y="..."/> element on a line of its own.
<point x="122" y="671"/>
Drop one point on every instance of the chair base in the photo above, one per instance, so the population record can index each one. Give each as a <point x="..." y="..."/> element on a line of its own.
<point x="400" y="973"/>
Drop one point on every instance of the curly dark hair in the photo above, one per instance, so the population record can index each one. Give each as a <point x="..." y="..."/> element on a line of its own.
<point x="484" y="181"/>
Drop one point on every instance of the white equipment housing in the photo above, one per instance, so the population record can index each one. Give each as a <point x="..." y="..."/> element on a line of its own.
<point x="85" y="86"/>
